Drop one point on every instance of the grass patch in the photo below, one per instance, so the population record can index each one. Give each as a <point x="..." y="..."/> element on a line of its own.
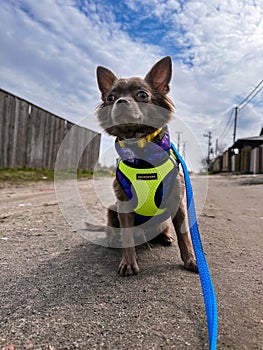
<point x="104" y="172"/>
<point x="24" y="174"/>
<point x="34" y="175"/>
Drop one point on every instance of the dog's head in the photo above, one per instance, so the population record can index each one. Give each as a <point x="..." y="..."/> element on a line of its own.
<point x="135" y="107"/>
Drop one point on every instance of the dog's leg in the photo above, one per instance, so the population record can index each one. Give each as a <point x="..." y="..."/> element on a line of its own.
<point x="180" y="222"/>
<point x="113" y="225"/>
<point x="128" y="265"/>
<point x="112" y="216"/>
<point x="184" y="240"/>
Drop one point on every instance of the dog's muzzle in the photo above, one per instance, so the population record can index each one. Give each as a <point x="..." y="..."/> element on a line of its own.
<point x="126" y="111"/>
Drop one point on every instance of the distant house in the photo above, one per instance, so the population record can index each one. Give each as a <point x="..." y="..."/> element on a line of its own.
<point x="255" y="141"/>
<point x="245" y="156"/>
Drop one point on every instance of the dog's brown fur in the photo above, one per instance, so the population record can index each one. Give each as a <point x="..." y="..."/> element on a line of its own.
<point x="131" y="109"/>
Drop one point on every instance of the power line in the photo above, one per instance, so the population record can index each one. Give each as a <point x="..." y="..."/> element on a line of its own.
<point x="251" y="93"/>
<point x="242" y="105"/>
<point x="251" y="98"/>
<point x="237" y="108"/>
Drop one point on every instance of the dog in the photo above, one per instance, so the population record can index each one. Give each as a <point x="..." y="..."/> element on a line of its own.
<point x="136" y="111"/>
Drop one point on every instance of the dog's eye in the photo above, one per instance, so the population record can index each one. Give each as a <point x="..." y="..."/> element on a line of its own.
<point x="142" y="95"/>
<point x="110" y="98"/>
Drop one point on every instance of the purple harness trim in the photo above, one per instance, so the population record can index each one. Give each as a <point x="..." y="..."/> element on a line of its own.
<point x="153" y="153"/>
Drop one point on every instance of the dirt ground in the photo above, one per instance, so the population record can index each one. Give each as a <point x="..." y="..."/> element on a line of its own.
<point x="60" y="291"/>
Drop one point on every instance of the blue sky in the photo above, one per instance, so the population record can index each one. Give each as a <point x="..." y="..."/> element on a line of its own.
<point x="50" y="50"/>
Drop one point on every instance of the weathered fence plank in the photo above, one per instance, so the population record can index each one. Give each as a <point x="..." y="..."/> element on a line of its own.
<point x="31" y="137"/>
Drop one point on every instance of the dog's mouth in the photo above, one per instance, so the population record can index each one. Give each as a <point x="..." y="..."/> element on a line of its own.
<point x="130" y="131"/>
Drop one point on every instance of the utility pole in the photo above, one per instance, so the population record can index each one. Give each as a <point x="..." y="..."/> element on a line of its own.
<point x="209" y="135"/>
<point x="235" y="124"/>
<point x="183" y="152"/>
<point x="216" y="149"/>
<point x="178" y="139"/>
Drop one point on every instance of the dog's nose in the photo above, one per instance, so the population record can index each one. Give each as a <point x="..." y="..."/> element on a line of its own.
<point x="122" y="100"/>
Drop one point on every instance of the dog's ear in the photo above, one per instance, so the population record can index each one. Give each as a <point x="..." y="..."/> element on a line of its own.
<point x="105" y="79"/>
<point x="160" y="75"/>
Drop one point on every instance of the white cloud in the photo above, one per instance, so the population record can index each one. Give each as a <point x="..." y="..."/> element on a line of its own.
<point x="50" y="50"/>
<point x="49" y="54"/>
<point x="225" y="40"/>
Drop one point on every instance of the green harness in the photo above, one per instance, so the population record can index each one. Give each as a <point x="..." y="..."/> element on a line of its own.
<point x="145" y="183"/>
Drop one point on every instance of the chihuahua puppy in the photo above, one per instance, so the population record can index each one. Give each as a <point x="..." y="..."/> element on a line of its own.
<point x="149" y="186"/>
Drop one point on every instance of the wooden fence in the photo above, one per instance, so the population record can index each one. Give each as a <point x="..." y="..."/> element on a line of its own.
<point x="31" y="137"/>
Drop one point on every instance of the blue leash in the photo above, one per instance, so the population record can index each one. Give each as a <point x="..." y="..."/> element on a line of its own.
<point x="204" y="274"/>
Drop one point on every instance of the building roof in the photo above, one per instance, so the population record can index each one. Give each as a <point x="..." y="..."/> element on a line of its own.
<point x="248" y="141"/>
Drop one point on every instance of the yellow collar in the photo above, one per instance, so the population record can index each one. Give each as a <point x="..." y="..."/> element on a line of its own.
<point x="142" y="141"/>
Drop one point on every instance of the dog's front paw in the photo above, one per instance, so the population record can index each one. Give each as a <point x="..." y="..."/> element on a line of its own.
<point x="128" y="269"/>
<point x="128" y="265"/>
<point x="191" y="265"/>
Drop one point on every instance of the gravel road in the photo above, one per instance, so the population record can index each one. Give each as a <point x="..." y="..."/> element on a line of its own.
<point x="60" y="291"/>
